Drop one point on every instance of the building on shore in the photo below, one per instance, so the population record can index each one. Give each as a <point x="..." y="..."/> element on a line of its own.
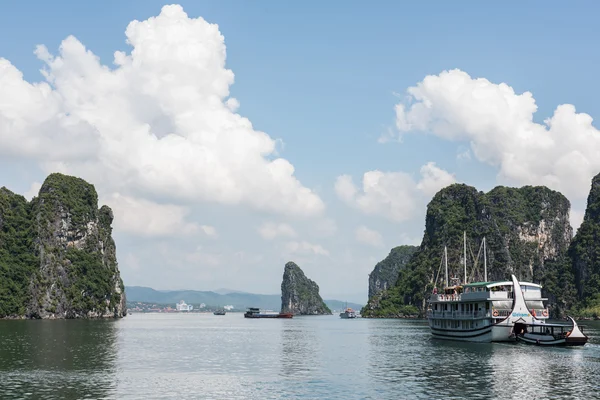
<point x="182" y="306"/>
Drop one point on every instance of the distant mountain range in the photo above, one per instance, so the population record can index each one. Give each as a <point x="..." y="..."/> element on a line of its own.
<point x="224" y="297"/>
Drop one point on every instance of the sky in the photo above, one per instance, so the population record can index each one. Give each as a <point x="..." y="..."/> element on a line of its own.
<point x="230" y="137"/>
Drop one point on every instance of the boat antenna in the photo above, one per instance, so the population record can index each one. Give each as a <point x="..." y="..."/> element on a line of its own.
<point x="446" y="263"/>
<point x="484" y="262"/>
<point x="465" y="254"/>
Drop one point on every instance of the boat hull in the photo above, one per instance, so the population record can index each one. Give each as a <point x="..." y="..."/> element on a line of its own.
<point x="492" y="333"/>
<point x="551" y="341"/>
<point x="282" y="315"/>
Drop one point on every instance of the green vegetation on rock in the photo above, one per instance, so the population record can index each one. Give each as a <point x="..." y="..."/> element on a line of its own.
<point x="585" y="255"/>
<point x="57" y="256"/>
<point x="17" y="258"/>
<point x="527" y="233"/>
<point x="385" y="273"/>
<point x="300" y="295"/>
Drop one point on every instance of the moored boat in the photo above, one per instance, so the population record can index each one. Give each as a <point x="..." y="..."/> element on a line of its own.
<point x="551" y="334"/>
<point x="255" y="313"/>
<point x="484" y="311"/>
<point x="219" y="312"/>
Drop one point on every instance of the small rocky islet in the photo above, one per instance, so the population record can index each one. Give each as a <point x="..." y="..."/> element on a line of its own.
<point x="300" y="295"/>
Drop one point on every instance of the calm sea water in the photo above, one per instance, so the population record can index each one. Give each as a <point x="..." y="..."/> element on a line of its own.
<point x="202" y="356"/>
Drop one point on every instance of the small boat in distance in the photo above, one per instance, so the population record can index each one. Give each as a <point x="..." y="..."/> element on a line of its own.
<point x="551" y="334"/>
<point x="255" y="313"/>
<point x="348" y="313"/>
<point x="219" y="312"/>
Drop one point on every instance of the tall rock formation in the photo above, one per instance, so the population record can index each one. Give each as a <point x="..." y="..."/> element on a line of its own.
<point x="527" y="233"/>
<point x="385" y="273"/>
<point x="58" y="254"/>
<point x="585" y="248"/>
<point x="300" y="295"/>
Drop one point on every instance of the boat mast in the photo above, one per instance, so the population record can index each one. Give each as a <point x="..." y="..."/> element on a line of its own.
<point x="446" y="263"/>
<point x="465" y="254"/>
<point x="484" y="262"/>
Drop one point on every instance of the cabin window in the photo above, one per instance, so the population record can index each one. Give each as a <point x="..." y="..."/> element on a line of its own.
<point x="487" y="306"/>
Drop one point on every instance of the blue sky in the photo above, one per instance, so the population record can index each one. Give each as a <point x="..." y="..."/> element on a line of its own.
<point x="325" y="78"/>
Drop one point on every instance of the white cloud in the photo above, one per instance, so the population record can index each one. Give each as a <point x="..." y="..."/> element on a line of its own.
<point x="463" y="154"/>
<point x="270" y="230"/>
<point x="202" y="258"/>
<point x="209" y="231"/>
<point x="305" y="248"/>
<point x="394" y="195"/>
<point x="159" y="124"/>
<point x="326" y="227"/>
<point x="146" y="218"/>
<point x="368" y="236"/>
<point x="562" y="153"/>
<point x="406" y="239"/>
<point x="576" y="218"/>
<point x="33" y="191"/>
<point x="433" y="179"/>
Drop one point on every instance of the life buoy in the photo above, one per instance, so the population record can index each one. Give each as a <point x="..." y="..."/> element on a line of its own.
<point x="495" y="313"/>
<point x="545" y="313"/>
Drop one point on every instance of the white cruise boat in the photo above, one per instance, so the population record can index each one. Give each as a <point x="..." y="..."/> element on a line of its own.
<point x="484" y="311"/>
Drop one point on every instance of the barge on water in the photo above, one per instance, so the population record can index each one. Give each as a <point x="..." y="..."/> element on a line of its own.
<point x="255" y="313"/>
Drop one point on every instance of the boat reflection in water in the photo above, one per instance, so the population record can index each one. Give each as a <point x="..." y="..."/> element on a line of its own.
<point x="255" y="313"/>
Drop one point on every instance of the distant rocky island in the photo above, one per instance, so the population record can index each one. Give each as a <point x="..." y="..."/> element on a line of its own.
<point x="57" y="255"/>
<point x="527" y="233"/>
<point x="300" y="295"/>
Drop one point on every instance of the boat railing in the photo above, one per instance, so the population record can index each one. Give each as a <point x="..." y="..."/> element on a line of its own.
<point x="459" y="314"/>
<point x="446" y="297"/>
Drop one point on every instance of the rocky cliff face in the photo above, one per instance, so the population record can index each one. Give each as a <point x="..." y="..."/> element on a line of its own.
<point x="527" y="233"/>
<point x="585" y="249"/>
<point x="69" y="267"/>
<point x="300" y="295"/>
<point x="385" y="273"/>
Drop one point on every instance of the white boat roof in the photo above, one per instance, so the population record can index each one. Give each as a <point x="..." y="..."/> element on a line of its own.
<point x="500" y="283"/>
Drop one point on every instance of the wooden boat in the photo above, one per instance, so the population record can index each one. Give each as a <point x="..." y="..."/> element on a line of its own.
<point x="255" y="313"/>
<point x="545" y="334"/>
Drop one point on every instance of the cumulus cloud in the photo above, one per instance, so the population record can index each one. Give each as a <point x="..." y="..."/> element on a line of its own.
<point x="146" y="218"/>
<point x="209" y="231"/>
<point x="271" y="230"/>
<point x="160" y="123"/>
<point x="433" y="179"/>
<point x="368" y="236"/>
<point x="394" y="195"/>
<point x="305" y="248"/>
<point x="562" y="153"/>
